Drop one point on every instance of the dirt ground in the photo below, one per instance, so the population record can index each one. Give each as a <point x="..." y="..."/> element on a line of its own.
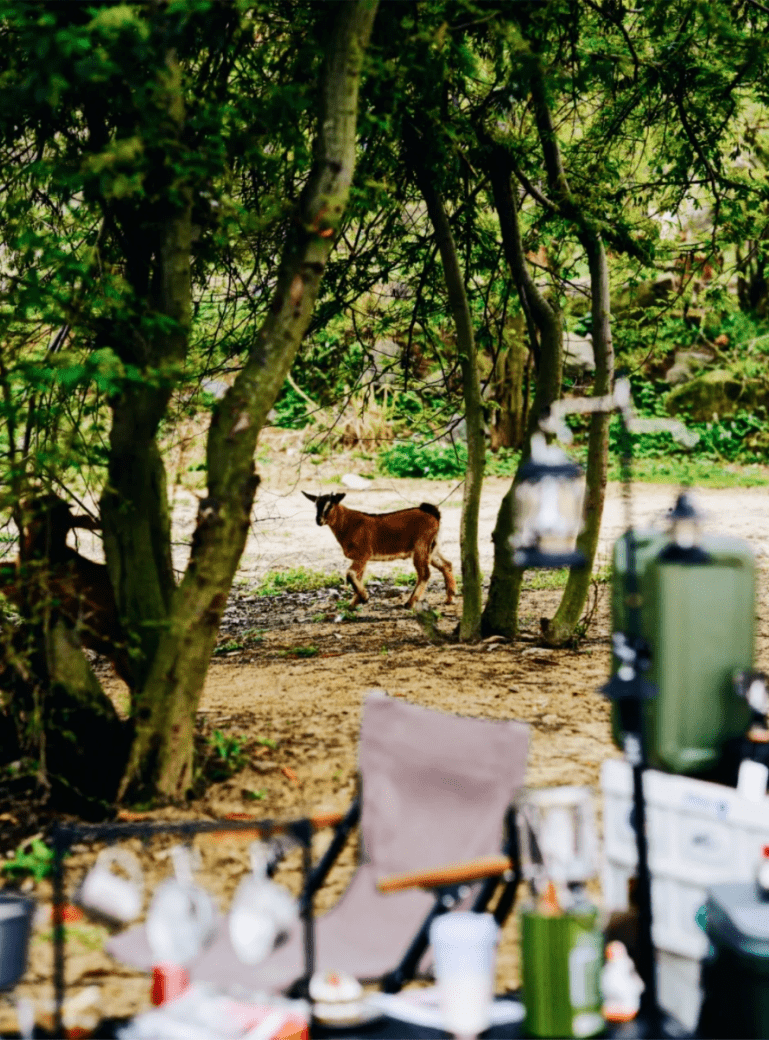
<point x="291" y="676"/>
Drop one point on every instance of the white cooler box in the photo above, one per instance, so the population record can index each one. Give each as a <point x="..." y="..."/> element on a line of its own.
<point x="699" y="834"/>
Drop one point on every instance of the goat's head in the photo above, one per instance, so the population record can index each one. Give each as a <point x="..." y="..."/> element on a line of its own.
<point x="47" y="518"/>
<point x="323" y="505"/>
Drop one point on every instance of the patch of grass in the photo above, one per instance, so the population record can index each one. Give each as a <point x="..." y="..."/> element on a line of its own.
<point x="300" y="651"/>
<point x="692" y="472"/>
<point x="266" y="742"/>
<point x="255" y="796"/>
<point x="318" y="618"/>
<point x="226" y="648"/>
<point x="502" y="463"/>
<point x="545" y="579"/>
<point x="536" y="580"/>
<point x="298" y="579"/>
<point x="404" y="578"/>
<point x="227" y="756"/>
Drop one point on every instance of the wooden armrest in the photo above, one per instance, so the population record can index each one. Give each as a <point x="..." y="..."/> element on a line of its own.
<point x="246" y="835"/>
<point x="451" y="874"/>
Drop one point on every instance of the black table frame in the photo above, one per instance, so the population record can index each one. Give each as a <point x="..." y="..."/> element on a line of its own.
<point x="64" y="835"/>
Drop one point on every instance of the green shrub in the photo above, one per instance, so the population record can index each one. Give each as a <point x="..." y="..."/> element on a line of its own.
<point x="432" y="460"/>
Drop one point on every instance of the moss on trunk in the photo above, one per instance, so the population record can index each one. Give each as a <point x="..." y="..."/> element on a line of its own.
<point x="161" y="761"/>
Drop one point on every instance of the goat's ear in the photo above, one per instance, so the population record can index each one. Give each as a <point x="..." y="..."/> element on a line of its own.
<point x="312" y="498"/>
<point x="338" y="497"/>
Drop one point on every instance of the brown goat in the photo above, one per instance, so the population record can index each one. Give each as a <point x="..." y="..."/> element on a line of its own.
<point x="386" y="536"/>
<point x="49" y="572"/>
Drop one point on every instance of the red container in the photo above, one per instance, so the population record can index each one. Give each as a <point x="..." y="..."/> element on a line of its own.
<point x="168" y="981"/>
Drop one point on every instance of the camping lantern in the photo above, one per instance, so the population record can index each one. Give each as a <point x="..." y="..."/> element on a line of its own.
<point x="549" y="496"/>
<point x="685" y="533"/>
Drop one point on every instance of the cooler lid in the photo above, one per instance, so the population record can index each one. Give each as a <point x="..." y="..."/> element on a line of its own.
<point x="738" y="918"/>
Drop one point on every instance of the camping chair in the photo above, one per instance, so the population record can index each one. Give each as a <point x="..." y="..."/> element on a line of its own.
<point x="436" y="790"/>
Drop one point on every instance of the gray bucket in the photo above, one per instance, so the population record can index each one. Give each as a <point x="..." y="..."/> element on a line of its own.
<point x="16" y="914"/>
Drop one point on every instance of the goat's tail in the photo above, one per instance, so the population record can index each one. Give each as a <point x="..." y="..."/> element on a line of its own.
<point x="428" y="507"/>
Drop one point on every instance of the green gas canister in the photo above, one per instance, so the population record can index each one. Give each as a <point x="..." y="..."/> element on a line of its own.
<point x="699" y="622"/>
<point x="562" y="957"/>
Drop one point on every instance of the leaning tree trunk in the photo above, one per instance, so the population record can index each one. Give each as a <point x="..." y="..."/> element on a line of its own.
<point x="500" y="615"/>
<point x="162" y="753"/>
<point x="470" y="624"/>
<point x="562" y="628"/>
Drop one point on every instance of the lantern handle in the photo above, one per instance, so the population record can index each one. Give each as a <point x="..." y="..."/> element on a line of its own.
<point x="619" y="400"/>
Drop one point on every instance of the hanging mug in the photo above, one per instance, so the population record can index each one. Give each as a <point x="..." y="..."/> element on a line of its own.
<point x="181" y="918"/>
<point x="261" y="911"/>
<point x="109" y="894"/>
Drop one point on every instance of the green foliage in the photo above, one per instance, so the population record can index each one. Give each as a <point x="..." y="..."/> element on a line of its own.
<point x="432" y="461"/>
<point x="290" y="410"/>
<point x="255" y="796"/>
<point x="297" y="579"/>
<point x="32" y="859"/>
<point x="226" y="756"/>
<point x="687" y="472"/>
<point x="300" y="651"/>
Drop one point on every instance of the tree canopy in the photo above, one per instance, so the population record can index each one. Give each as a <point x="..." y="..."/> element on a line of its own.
<point x="266" y="191"/>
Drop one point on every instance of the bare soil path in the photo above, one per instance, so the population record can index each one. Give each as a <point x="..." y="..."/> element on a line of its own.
<point x="290" y="681"/>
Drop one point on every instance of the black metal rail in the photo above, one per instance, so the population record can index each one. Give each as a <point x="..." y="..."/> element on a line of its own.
<point x="64" y="835"/>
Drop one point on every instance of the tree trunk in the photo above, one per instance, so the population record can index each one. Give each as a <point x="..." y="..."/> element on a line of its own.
<point x="134" y="504"/>
<point x="161" y="757"/>
<point x="500" y="615"/>
<point x="470" y="624"/>
<point x="562" y="628"/>
<point x="508" y="421"/>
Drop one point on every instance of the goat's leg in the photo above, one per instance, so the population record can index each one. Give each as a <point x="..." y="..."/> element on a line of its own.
<point x="444" y="566"/>
<point x="422" y="565"/>
<point x="355" y="578"/>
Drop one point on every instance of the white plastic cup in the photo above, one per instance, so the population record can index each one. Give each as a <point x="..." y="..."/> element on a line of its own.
<point x="465" y="947"/>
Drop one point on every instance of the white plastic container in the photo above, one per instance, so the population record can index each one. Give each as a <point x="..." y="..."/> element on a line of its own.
<point x="700" y="834"/>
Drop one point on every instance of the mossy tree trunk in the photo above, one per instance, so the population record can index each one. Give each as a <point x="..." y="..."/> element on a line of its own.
<point x="543" y="319"/>
<point x="470" y="624"/>
<point x="561" y="629"/>
<point x="507" y="423"/>
<point x="162" y="753"/>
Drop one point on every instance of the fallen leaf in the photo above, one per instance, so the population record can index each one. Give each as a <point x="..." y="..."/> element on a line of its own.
<point x="289" y="773"/>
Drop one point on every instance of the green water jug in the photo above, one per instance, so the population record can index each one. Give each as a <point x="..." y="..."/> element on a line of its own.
<point x="699" y="622"/>
<point x="562" y="957"/>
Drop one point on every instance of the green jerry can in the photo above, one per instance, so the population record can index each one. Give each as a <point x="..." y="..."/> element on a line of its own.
<point x="561" y="958"/>
<point x="699" y="622"/>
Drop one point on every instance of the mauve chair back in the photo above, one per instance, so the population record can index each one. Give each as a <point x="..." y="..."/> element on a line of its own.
<point x="435" y="786"/>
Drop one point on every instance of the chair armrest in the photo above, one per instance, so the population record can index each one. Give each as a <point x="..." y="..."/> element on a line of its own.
<point x="246" y="835"/>
<point x="450" y="874"/>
